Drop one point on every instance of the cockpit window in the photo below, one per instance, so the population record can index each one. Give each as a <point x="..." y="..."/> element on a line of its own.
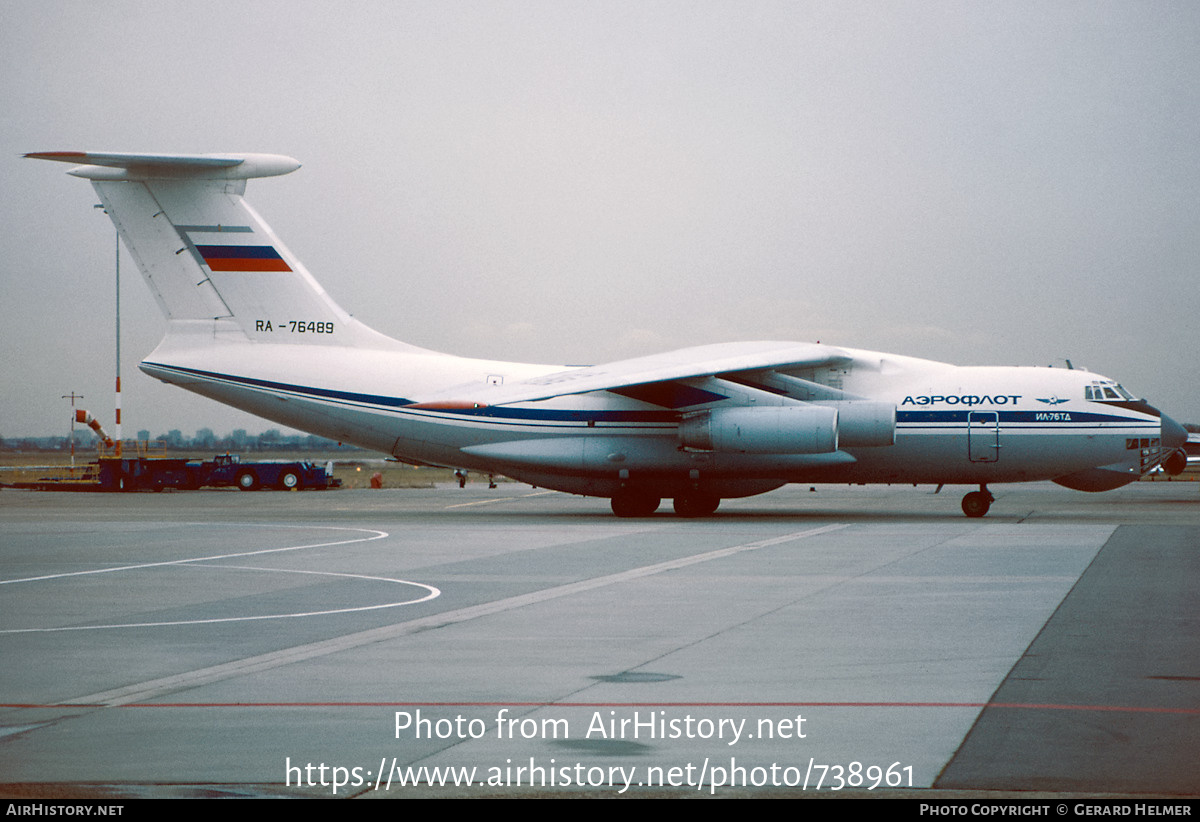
<point x="1107" y="392"/>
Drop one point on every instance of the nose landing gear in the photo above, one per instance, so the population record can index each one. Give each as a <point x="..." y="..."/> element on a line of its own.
<point x="977" y="503"/>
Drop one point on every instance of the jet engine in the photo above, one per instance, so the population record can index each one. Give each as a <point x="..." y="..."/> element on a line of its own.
<point x="779" y="429"/>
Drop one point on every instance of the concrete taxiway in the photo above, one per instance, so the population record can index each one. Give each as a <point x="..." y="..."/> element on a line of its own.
<point x="216" y="643"/>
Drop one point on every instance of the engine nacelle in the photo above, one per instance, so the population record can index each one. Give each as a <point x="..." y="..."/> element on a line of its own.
<point x="778" y="429"/>
<point x="864" y="424"/>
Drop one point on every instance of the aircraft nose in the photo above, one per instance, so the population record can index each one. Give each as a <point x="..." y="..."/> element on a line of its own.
<point x="1173" y="435"/>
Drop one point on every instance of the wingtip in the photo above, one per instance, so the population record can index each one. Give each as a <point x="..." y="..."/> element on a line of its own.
<point x="66" y="156"/>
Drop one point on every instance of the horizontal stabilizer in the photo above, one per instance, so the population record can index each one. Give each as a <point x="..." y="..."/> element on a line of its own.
<point x="93" y="165"/>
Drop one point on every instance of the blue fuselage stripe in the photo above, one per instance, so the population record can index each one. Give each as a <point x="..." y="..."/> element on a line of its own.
<point x="1040" y="417"/>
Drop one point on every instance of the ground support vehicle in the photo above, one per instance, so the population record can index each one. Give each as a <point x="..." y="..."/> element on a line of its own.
<point x="228" y="469"/>
<point x="154" y="473"/>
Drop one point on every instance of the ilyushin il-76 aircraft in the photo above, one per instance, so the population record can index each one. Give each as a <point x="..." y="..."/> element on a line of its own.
<point x="250" y="327"/>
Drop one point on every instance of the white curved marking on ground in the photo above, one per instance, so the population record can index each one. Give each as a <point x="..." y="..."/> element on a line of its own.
<point x="432" y="592"/>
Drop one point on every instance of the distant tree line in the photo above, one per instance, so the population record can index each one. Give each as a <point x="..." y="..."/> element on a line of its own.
<point x="174" y="440"/>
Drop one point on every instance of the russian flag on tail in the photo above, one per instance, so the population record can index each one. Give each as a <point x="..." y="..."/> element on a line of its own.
<point x="242" y="258"/>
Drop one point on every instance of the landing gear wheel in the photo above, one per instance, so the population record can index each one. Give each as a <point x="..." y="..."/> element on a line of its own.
<point x="634" y="504"/>
<point x="289" y="481"/>
<point x="977" y="503"/>
<point x="696" y="504"/>
<point x="247" y="481"/>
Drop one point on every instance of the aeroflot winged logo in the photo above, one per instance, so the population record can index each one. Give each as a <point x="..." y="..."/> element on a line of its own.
<point x="242" y="258"/>
<point x="1051" y="400"/>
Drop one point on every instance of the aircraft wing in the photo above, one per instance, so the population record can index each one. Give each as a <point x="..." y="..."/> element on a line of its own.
<point x="685" y="363"/>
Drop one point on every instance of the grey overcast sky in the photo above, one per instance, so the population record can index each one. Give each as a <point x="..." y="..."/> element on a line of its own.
<point x="572" y="182"/>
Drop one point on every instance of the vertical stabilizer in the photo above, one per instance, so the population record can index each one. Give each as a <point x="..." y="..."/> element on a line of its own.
<point x="207" y="256"/>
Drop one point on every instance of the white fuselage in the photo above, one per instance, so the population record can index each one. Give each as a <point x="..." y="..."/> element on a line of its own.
<point x="953" y="424"/>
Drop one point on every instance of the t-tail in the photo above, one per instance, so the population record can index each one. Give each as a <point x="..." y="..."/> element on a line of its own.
<point x="217" y="270"/>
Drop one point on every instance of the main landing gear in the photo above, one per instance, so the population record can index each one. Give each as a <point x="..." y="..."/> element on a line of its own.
<point x="643" y="504"/>
<point x="696" y="504"/>
<point x="634" y="504"/>
<point x="977" y="503"/>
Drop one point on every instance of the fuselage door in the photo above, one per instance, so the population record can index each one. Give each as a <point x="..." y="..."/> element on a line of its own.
<point x="983" y="436"/>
